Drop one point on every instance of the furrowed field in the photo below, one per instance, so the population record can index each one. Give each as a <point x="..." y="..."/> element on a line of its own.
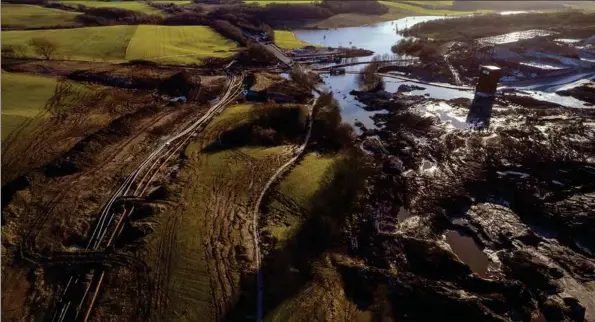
<point x="163" y="44"/>
<point x="14" y="15"/>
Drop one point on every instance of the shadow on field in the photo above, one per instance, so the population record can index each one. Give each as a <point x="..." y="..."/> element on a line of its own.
<point x="269" y="126"/>
<point x="288" y="269"/>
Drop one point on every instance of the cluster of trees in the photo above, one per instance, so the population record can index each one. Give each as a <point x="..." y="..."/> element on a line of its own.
<point x="112" y="16"/>
<point x="471" y="27"/>
<point x="328" y="130"/>
<point x="368" y="80"/>
<point x="259" y="53"/>
<point x="306" y="81"/>
<point x="41" y="46"/>
<point x="468" y="5"/>
<point x="355" y="6"/>
<point x="425" y="49"/>
<point x="170" y="8"/>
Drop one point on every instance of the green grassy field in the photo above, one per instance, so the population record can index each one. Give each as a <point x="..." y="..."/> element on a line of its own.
<point x="34" y="16"/>
<point x="300" y="185"/>
<point x="128" y="5"/>
<point x="288" y="40"/>
<point x="214" y="190"/>
<point x="163" y="44"/>
<point x="180" y="44"/>
<point x="23" y="97"/>
<point x="88" y="43"/>
<point x="417" y="10"/>
<point x="434" y="4"/>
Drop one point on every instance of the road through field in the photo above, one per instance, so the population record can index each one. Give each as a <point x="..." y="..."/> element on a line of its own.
<point x="256" y="211"/>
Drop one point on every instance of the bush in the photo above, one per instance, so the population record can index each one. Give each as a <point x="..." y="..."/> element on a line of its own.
<point x="187" y="19"/>
<point x="260" y="54"/>
<point x="368" y="80"/>
<point x="112" y="16"/>
<point x="328" y="131"/>
<point x="423" y="48"/>
<point x="307" y="81"/>
<point x="228" y="30"/>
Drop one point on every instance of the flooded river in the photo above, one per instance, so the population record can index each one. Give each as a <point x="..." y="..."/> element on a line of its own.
<point x="377" y="37"/>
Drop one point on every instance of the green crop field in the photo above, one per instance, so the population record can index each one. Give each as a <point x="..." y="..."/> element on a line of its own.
<point x="35" y="16"/>
<point x="177" y="45"/>
<point x="128" y="5"/>
<point x="164" y="44"/>
<point x="88" y="43"/>
<point x="288" y="40"/>
<point x="23" y="97"/>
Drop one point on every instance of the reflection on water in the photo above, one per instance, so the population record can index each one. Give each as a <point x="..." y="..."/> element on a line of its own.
<point x="351" y="109"/>
<point x="377" y="37"/>
<point x="468" y="252"/>
<point x="437" y="92"/>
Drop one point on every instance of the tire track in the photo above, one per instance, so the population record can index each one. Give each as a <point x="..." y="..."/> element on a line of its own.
<point x="163" y="271"/>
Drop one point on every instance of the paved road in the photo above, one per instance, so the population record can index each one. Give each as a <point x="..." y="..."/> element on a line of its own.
<point x="279" y="54"/>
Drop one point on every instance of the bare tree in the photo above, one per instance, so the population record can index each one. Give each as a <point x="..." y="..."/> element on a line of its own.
<point x="43" y="47"/>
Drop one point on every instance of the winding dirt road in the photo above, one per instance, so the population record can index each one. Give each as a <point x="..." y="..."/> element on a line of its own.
<point x="256" y="211"/>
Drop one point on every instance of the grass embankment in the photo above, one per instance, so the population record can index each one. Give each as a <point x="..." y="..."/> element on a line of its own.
<point x="162" y="44"/>
<point x="411" y="9"/>
<point x="288" y="40"/>
<point x="300" y="185"/>
<point x="29" y="16"/>
<point x="23" y="98"/>
<point x="213" y="247"/>
<point x="128" y="5"/>
<point x="300" y="277"/>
